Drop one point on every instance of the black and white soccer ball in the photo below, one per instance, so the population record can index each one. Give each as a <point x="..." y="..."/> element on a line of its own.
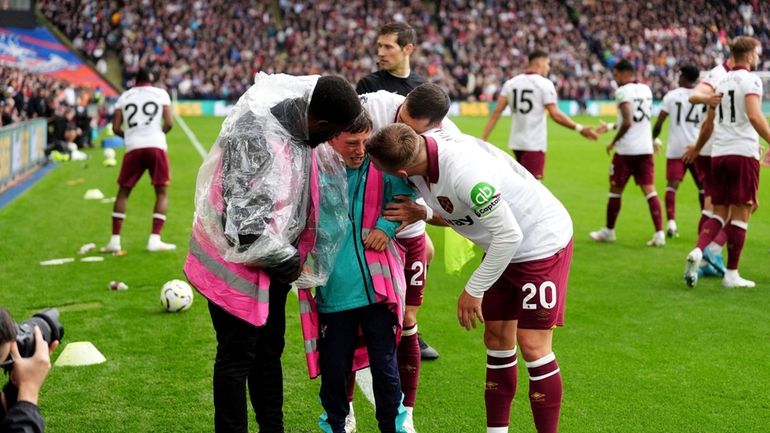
<point x="176" y="295"/>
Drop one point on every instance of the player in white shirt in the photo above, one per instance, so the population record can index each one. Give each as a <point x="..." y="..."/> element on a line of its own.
<point x="734" y="161"/>
<point x="519" y="290"/>
<point x="142" y="117"/>
<point x="633" y="148"/>
<point x="530" y="95"/>
<point x="682" y="132"/>
<point x="700" y="155"/>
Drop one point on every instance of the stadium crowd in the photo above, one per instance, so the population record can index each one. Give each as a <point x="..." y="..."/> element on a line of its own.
<point x="469" y="48"/>
<point x="25" y="95"/>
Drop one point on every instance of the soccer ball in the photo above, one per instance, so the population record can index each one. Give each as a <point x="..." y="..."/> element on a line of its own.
<point x="176" y="295"/>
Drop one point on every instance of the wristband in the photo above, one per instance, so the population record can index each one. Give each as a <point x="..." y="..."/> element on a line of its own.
<point x="612" y="126"/>
<point x="428" y="213"/>
<point x="578" y="128"/>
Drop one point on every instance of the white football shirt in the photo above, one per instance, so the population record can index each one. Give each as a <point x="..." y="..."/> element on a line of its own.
<point x="638" y="139"/>
<point x="528" y="94"/>
<point x="733" y="132"/>
<point x="383" y="107"/>
<point x="142" y="108"/>
<point x="492" y="200"/>
<point x="712" y="79"/>
<point x="684" y="121"/>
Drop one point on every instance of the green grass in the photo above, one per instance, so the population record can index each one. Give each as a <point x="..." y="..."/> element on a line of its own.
<point x="639" y="352"/>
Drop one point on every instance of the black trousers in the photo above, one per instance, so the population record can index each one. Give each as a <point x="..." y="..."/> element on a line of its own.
<point x="246" y="353"/>
<point x="339" y="338"/>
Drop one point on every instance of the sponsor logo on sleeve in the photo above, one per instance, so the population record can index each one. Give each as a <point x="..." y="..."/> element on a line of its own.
<point x="485" y="199"/>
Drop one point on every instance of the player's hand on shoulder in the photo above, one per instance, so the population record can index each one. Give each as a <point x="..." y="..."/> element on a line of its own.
<point x="714" y="99"/>
<point x="377" y="240"/>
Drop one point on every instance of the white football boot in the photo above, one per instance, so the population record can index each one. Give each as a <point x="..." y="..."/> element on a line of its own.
<point x="733" y="280"/>
<point x="692" y="266"/>
<point x="603" y="235"/>
<point x="658" y="239"/>
<point x="155" y="244"/>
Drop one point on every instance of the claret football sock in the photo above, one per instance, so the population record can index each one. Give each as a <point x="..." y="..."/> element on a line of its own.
<point x="655" y="212"/>
<point x="158" y="219"/>
<point x="409" y="364"/>
<point x="545" y="392"/>
<point x="736" y="237"/>
<point x="500" y="387"/>
<point x="711" y="229"/>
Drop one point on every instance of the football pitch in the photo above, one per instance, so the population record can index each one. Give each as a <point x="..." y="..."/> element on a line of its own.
<point x="640" y="352"/>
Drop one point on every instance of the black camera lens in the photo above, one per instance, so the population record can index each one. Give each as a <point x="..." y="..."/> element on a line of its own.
<point x="48" y="322"/>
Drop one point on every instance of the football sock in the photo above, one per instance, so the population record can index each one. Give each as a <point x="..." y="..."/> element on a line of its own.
<point x="701" y="198"/>
<point x="710" y="230"/>
<point x="720" y="238"/>
<point x="670" y="203"/>
<point x="705" y="215"/>
<point x="157" y="223"/>
<point x="736" y="237"/>
<point x="613" y="209"/>
<point x="545" y="391"/>
<point x="409" y="364"/>
<point x="654" y="203"/>
<point x="117" y="222"/>
<point x="500" y="387"/>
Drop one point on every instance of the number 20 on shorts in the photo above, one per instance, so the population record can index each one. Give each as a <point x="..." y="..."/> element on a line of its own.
<point x="546" y="298"/>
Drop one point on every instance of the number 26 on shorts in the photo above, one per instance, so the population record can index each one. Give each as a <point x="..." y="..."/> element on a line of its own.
<point x="545" y="295"/>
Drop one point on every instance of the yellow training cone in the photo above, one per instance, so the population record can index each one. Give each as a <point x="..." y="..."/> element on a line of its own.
<point x="80" y="353"/>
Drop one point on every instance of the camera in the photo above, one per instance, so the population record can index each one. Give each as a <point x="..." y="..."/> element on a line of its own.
<point x="52" y="330"/>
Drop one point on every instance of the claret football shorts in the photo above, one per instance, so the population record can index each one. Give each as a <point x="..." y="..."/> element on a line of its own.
<point x="534" y="293"/>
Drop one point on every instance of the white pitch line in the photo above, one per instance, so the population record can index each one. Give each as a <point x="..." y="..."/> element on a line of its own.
<point x="190" y="135"/>
<point x="363" y="377"/>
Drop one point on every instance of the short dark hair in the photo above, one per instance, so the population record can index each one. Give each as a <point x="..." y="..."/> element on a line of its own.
<point x="537" y="54"/>
<point x="689" y="73"/>
<point x="395" y="146"/>
<point x="7" y="327"/>
<point x="405" y="34"/>
<point x="143" y="75"/>
<point x="427" y="101"/>
<point x="624" y="66"/>
<point x="362" y="123"/>
<point x="335" y="101"/>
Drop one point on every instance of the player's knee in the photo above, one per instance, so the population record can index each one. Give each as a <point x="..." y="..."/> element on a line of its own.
<point x="499" y="341"/>
<point x="534" y="348"/>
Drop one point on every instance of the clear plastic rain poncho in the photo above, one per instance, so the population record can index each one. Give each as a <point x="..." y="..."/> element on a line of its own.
<point x="254" y="186"/>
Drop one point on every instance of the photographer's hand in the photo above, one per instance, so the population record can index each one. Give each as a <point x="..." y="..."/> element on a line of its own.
<point x="28" y="374"/>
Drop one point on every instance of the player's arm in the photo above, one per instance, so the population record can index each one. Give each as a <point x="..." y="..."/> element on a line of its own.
<point x="117" y="122"/>
<point x="757" y="119"/>
<point x="703" y="93"/>
<point x="625" y="124"/>
<point x="168" y="119"/>
<point x="502" y="102"/>
<point x="659" y="123"/>
<point x="703" y="136"/>
<point x="562" y="119"/>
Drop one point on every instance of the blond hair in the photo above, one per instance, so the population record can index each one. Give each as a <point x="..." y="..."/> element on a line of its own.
<point x="395" y="146"/>
<point x="742" y="46"/>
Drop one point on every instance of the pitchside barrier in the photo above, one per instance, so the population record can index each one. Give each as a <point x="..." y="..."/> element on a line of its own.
<point x="22" y="147"/>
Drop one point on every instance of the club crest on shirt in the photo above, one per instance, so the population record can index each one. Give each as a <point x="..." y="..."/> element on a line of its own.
<point x="445" y="203"/>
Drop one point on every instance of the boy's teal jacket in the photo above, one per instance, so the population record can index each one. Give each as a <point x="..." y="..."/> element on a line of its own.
<point x="350" y="283"/>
